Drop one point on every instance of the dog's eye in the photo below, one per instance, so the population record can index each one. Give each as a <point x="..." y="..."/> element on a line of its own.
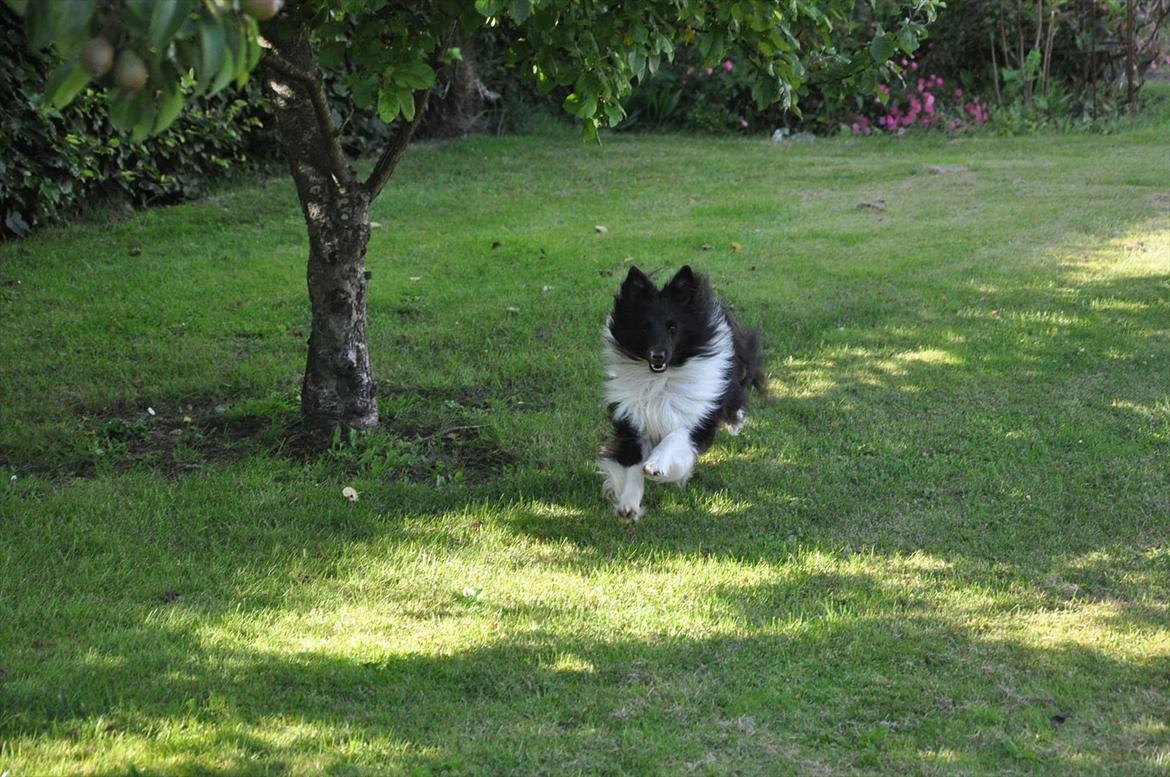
<point x="671" y="327"/>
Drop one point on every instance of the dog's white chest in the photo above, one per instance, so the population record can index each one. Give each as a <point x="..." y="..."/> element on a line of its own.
<point x="657" y="404"/>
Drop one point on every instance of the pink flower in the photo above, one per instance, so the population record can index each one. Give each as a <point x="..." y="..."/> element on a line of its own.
<point x="905" y="62"/>
<point x="727" y="65"/>
<point x="913" y="65"/>
<point x="710" y="70"/>
<point x="921" y="85"/>
<point x="958" y="93"/>
<point x="885" y="89"/>
<point x="743" y="123"/>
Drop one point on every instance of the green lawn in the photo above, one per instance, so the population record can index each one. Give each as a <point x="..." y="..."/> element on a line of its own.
<point x="941" y="546"/>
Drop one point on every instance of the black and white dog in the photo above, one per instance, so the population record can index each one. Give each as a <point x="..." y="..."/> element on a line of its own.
<point x="677" y="366"/>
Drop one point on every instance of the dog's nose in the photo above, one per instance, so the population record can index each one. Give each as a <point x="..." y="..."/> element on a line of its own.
<point x="657" y="358"/>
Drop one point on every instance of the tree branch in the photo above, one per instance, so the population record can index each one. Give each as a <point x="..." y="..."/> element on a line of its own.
<point x="314" y="89"/>
<point x="384" y="168"/>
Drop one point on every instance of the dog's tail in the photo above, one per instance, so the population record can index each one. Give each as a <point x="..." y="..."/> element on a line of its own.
<point x="749" y="359"/>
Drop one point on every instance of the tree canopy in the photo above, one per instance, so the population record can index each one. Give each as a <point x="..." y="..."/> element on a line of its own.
<point x="153" y="55"/>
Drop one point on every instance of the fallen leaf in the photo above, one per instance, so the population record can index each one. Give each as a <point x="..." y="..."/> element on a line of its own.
<point x="875" y="205"/>
<point x="474" y="526"/>
<point x="705" y="247"/>
<point x="375" y="225"/>
<point x="135" y="251"/>
<point x="350" y="493"/>
<point x="546" y="288"/>
<point x="150" y="411"/>
<point x="187" y="419"/>
<point x="736" y="246"/>
<point x="599" y="229"/>
<point x="416" y="277"/>
<point x="512" y="309"/>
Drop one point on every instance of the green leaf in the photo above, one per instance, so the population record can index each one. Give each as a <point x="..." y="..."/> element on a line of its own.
<point x="169" y="107"/>
<point x="146" y="113"/>
<point x="414" y="75"/>
<point x="227" y="71"/>
<point x="36" y="24"/>
<point x="519" y="10"/>
<point x="165" y="20"/>
<point x="614" y="114"/>
<point x="65" y="83"/>
<point x="489" y="7"/>
<point x="589" y="130"/>
<point x="881" y="48"/>
<point x="389" y="106"/>
<point x="331" y="54"/>
<point x="125" y="110"/>
<point x="407" y="102"/>
<point x="252" y="35"/>
<point x="908" y="40"/>
<point x="69" y="18"/>
<point x="212" y="49"/>
<point x="583" y="106"/>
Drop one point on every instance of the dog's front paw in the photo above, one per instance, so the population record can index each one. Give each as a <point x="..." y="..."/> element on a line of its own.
<point x="654" y="470"/>
<point x="736" y="426"/>
<point x="630" y="513"/>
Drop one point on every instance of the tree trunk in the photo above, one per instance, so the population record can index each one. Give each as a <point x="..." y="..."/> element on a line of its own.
<point x="339" y="387"/>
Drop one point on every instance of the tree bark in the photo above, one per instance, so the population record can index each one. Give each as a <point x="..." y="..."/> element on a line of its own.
<point x="339" y="388"/>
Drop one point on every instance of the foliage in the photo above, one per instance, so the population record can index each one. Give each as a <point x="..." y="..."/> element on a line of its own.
<point x="1051" y="59"/>
<point x="1033" y="64"/>
<point x="392" y="57"/>
<point x="692" y="93"/>
<point x="56" y="159"/>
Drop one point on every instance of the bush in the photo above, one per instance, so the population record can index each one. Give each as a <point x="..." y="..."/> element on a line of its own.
<point x="1030" y="64"/>
<point x="54" y="160"/>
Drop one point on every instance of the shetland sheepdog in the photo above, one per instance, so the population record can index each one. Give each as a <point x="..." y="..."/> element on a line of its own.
<point x="677" y="367"/>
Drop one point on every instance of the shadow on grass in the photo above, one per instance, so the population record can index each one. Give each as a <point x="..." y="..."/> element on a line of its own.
<point x="858" y="677"/>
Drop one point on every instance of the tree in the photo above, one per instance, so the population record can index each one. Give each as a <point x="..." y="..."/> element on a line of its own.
<point x="153" y="55"/>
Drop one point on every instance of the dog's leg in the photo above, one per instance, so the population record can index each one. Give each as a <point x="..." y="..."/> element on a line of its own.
<point x="621" y="465"/>
<point x="629" y="503"/>
<point x="735" y="426"/>
<point x="673" y="460"/>
<point x="614" y="478"/>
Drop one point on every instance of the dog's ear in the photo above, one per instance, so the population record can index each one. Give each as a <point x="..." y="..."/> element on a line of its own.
<point x="684" y="283"/>
<point x="636" y="283"/>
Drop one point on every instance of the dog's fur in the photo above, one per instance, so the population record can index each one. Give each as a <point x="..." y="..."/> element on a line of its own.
<point x="677" y="367"/>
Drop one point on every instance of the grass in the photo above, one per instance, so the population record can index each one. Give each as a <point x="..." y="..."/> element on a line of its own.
<point x="942" y="546"/>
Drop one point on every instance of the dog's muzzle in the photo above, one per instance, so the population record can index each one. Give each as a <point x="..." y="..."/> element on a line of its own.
<point x="657" y="361"/>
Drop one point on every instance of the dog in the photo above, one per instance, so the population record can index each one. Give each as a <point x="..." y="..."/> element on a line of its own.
<point x="677" y="368"/>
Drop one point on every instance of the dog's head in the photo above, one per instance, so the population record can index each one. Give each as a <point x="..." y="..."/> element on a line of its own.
<point x="663" y="327"/>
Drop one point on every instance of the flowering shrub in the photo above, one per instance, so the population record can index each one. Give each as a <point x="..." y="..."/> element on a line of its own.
<point x="923" y="102"/>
